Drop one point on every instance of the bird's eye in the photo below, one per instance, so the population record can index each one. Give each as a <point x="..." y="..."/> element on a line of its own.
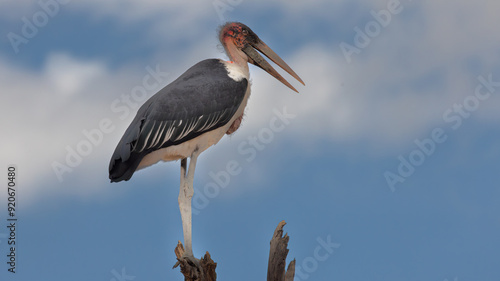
<point x="245" y="32"/>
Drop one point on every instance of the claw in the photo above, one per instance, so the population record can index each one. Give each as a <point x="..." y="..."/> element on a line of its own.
<point x="183" y="256"/>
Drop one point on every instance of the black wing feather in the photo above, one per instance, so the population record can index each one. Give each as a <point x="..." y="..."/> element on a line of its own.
<point x="202" y="99"/>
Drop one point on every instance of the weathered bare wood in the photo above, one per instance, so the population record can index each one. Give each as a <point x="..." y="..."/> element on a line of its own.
<point x="195" y="270"/>
<point x="204" y="269"/>
<point x="290" y="272"/>
<point x="277" y="257"/>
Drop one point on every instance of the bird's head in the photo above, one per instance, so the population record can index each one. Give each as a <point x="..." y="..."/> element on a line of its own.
<point x="241" y="45"/>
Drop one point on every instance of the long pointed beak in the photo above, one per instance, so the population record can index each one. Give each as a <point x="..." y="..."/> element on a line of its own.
<point x="259" y="61"/>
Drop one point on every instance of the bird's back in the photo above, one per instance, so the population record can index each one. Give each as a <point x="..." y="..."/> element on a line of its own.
<point x="202" y="99"/>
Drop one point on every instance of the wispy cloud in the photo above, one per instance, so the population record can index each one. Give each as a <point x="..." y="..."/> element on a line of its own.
<point x="425" y="60"/>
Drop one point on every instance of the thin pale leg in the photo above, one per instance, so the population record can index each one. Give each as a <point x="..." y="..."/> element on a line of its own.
<point x="185" y="197"/>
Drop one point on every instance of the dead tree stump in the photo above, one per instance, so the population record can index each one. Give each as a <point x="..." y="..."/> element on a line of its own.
<point x="197" y="270"/>
<point x="277" y="257"/>
<point x="204" y="269"/>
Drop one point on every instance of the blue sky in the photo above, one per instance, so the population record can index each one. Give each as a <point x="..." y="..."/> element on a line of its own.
<point x="389" y="155"/>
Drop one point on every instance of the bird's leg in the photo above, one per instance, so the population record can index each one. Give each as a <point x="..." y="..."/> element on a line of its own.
<point x="185" y="208"/>
<point x="185" y="198"/>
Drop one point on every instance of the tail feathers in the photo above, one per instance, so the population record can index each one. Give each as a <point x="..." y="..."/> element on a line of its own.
<point x="123" y="170"/>
<point x="125" y="161"/>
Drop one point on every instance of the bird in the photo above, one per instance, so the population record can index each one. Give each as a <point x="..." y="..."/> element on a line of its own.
<point x="194" y="112"/>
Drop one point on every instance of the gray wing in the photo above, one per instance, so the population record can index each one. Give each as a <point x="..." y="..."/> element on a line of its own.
<point x="202" y="99"/>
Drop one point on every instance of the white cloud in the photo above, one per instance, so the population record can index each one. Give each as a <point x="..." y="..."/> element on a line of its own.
<point x="47" y="111"/>
<point x="393" y="92"/>
<point x="68" y="76"/>
<point x="398" y="88"/>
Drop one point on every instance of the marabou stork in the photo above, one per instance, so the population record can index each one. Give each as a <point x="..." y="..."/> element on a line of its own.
<point x="193" y="113"/>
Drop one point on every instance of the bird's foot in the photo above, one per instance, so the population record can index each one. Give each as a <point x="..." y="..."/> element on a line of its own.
<point x="190" y="259"/>
<point x="185" y="258"/>
<point x="190" y="266"/>
<point x="193" y="268"/>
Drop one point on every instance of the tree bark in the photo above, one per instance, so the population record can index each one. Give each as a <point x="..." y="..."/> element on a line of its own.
<point x="204" y="269"/>
<point x="277" y="257"/>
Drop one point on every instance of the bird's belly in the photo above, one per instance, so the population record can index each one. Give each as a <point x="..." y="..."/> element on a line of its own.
<point x="185" y="149"/>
